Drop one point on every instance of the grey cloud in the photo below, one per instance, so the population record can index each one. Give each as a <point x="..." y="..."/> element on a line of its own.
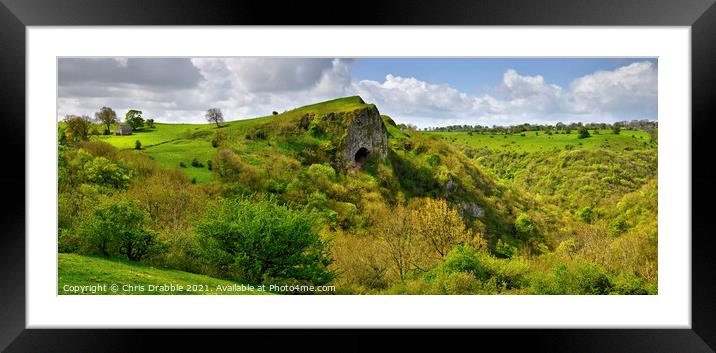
<point x="279" y="74"/>
<point x="160" y="72"/>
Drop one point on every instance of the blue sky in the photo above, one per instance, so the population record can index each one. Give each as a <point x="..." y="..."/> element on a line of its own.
<point x="421" y="91"/>
<point x="480" y="75"/>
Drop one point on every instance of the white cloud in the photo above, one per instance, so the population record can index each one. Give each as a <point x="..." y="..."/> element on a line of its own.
<point x="629" y="89"/>
<point x="629" y="92"/>
<point x="249" y="87"/>
<point x="412" y="97"/>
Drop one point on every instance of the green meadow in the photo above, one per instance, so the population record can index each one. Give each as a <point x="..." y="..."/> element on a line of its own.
<point x="540" y="141"/>
<point x="78" y="270"/>
<point x="170" y="145"/>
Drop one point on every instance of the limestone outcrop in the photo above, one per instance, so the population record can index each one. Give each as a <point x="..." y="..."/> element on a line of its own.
<point x="355" y="135"/>
<point x="365" y="136"/>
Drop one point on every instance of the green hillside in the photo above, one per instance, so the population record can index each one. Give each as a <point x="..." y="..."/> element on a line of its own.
<point x="76" y="270"/>
<point x="273" y="200"/>
<point x="172" y="144"/>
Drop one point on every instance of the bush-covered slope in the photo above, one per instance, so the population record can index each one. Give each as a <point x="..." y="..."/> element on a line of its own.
<point x="580" y="219"/>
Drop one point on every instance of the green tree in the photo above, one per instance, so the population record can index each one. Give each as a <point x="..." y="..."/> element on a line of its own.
<point x="106" y="116"/>
<point x="61" y="137"/>
<point x="525" y="226"/>
<point x="393" y="228"/>
<point x="103" y="172"/>
<point x="150" y="123"/>
<point x="119" y="229"/>
<point x="616" y="129"/>
<point x="583" y="133"/>
<point x="134" y="119"/>
<point x="440" y="227"/>
<point x="77" y="128"/>
<point x="262" y="240"/>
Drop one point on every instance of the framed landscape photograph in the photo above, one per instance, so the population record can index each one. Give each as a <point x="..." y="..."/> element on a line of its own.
<point x="367" y="187"/>
<point x="359" y="177"/>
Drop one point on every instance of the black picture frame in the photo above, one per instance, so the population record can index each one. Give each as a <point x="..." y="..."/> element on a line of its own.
<point x="16" y="15"/>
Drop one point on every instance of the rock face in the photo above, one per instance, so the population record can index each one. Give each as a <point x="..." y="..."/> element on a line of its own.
<point x="365" y="135"/>
<point x="472" y="209"/>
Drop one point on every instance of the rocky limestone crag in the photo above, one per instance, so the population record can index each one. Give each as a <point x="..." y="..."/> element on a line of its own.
<point x="365" y="135"/>
<point x="354" y="135"/>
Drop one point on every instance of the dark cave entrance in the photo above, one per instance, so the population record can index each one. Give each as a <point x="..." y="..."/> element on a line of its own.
<point x="362" y="155"/>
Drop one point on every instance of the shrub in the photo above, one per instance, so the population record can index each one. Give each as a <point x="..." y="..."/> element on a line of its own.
<point x="630" y="284"/>
<point x="208" y="164"/>
<point x="182" y="164"/>
<point x="137" y="145"/>
<point x="494" y="274"/>
<point x="525" y="226"/>
<point x="103" y="172"/>
<point x="262" y="240"/>
<point x="363" y="263"/>
<point x="119" y="229"/>
<point x="218" y="139"/>
<point x="580" y="277"/>
<point x="99" y="149"/>
<point x="142" y="164"/>
<point x="232" y="167"/>
<point x="168" y="197"/>
<point x="504" y="249"/>
<point x="195" y="163"/>
<point x="274" y="112"/>
<point x="433" y="159"/>
<point x="77" y="128"/>
<point x="583" y="133"/>
<point x="586" y="214"/>
<point x="618" y="225"/>
<point x="180" y="252"/>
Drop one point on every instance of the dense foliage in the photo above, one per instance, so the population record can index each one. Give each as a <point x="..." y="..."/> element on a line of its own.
<point x="262" y="241"/>
<point x="264" y="201"/>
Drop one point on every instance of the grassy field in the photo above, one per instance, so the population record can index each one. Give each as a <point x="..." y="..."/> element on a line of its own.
<point x="171" y="154"/>
<point x="77" y="270"/>
<point x="534" y="141"/>
<point x="171" y="144"/>
<point x="161" y="133"/>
